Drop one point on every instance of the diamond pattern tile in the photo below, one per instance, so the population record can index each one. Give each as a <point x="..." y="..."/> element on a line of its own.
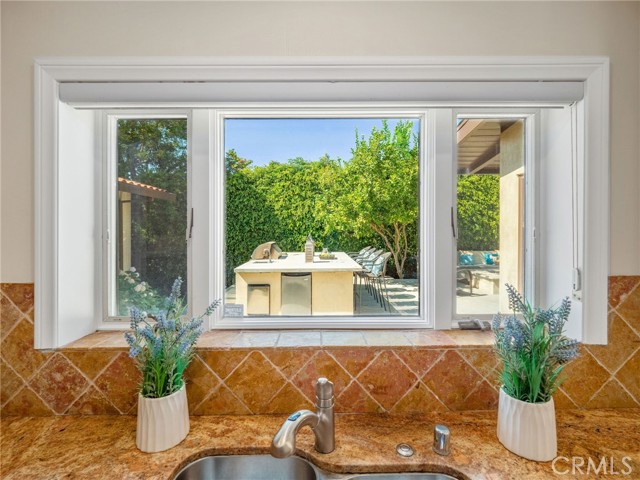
<point x="222" y="362"/>
<point x="17" y="350"/>
<point x="221" y="402"/>
<point x="289" y="361"/>
<point x="629" y="308"/>
<point x="583" y="377"/>
<point x="200" y="381"/>
<point x="418" y="400"/>
<point x="288" y="400"/>
<point x="242" y="373"/>
<point x="9" y="316"/>
<point x="354" y="399"/>
<point x="26" y="403"/>
<point x="452" y="379"/>
<point x="626" y="342"/>
<point x="619" y="288"/>
<point x="255" y="382"/>
<point x="629" y="375"/>
<point x="353" y="360"/>
<point x="58" y="383"/>
<point x="10" y="382"/>
<point x="119" y="382"/>
<point x="92" y="402"/>
<point x="387" y="379"/>
<point x="320" y="365"/>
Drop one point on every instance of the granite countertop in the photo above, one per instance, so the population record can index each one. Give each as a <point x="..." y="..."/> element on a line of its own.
<point x="95" y="447"/>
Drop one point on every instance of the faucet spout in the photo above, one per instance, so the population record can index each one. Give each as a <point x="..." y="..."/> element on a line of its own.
<point x="322" y="424"/>
<point x="284" y="442"/>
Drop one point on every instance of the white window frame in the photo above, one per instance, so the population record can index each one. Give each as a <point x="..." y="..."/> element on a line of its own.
<point x="49" y="73"/>
<point x="110" y="163"/>
<point x="531" y="159"/>
<point x="321" y="321"/>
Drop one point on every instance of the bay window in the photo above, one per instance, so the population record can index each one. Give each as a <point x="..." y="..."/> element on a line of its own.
<point x="418" y="221"/>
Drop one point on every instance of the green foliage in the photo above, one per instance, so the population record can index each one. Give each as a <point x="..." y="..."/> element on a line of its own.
<point x="377" y="192"/>
<point x="154" y="152"/>
<point x="533" y="350"/>
<point x="163" y="349"/>
<point x="133" y="291"/>
<point x="478" y="212"/>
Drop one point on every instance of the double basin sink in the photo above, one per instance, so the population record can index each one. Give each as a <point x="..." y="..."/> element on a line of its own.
<point x="266" y="467"/>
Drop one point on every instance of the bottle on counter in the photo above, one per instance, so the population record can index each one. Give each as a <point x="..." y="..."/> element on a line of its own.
<point x="309" y="249"/>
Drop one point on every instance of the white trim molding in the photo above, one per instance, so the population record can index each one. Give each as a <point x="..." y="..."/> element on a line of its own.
<point x="50" y="73"/>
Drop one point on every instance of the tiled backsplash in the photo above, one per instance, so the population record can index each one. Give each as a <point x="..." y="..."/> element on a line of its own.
<point x="245" y="373"/>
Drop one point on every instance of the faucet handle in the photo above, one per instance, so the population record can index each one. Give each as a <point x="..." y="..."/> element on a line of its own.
<point x="441" y="440"/>
<point x="324" y="392"/>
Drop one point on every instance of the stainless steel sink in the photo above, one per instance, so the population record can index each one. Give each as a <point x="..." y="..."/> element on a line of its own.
<point x="266" y="467"/>
<point x="248" y="467"/>
<point x="403" y="476"/>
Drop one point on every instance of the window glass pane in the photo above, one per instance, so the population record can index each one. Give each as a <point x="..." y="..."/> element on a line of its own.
<point x="349" y="184"/>
<point x="490" y="206"/>
<point x="151" y="213"/>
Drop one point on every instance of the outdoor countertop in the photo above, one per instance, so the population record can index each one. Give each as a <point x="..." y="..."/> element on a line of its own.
<point x="96" y="447"/>
<point x="294" y="263"/>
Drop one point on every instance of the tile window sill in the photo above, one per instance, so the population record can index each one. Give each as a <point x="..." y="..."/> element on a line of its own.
<point x="243" y="339"/>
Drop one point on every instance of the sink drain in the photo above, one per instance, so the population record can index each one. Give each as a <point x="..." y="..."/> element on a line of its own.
<point x="404" y="449"/>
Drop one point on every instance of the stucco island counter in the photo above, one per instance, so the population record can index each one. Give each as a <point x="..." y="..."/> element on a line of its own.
<point x="291" y="286"/>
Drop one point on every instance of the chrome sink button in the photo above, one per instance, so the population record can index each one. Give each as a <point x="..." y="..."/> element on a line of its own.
<point x="404" y="450"/>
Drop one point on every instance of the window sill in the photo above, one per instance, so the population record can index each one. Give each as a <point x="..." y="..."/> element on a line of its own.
<point x="243" y="339"/>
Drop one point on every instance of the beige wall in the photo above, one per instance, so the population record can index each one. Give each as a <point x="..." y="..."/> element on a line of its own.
<point x="31" y="29"/>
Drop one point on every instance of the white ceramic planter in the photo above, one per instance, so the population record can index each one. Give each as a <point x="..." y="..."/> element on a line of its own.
<point x="528" y="429"/>
<point x="162" y="422"/>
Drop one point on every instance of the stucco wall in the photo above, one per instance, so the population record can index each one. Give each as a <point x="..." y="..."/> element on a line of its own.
<point x="31" y="29"/>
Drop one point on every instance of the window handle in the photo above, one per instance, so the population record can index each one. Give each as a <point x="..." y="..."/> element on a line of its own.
<point x="454" y="230"/>
<point x="190" y="234"/>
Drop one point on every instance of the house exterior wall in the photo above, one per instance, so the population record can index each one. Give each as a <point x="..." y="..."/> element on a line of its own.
<point x="31" y="29"/>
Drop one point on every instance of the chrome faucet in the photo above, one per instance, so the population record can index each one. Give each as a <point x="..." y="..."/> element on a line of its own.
<point x="322" y="424"/>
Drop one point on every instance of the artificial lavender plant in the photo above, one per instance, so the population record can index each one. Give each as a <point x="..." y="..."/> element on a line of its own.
<point x="163" y="349"/>
<point x="533" y="349"/>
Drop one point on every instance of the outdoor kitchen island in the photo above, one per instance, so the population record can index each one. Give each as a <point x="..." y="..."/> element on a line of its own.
<point x="291" y="286"/>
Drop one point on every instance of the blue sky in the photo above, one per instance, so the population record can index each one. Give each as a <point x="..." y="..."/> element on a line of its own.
<point x="263" y="140"/>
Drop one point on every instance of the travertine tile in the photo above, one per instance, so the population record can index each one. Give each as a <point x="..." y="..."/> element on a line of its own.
<point x="612" y="395"/>
<point x="20" y="294"/>
<point x="17" y="350"/>
<point x="387" y="379"/>
<point x="623" y="341"/>
<point x="90" y="362"/>
<point x="355" y="399"/>
<point x="290" y="360"/>
<point x="619" y="288"/>
<point x="255" y="382"/>
<point x="629" y="375"/>
<point x="583" y="377"/>
<point x="10" y="382"/>
<point x="375" y="338"/>
<point x="342" y="338"/>
<point x="420" y="361"/>
<point x="200" y="381"/>
<point x="120" y="383"/>
<point x="256" y="339"/>
<point x="418" y="401"/>
<point x="353" y="360"/>
<point x="9" y="316"/>
<point x="320" y="365"/>
<point x="92" y="402"/>
<point x="223" y="362"/>
<point x="26" y="403"/>
<point x="300" y="339"/>
<point x="288" y="400"/>
<point x="59" y="383"/>
<point x="629" y="309"/>
<point x="221" y="402"/>
<point x="452" y="379"/>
